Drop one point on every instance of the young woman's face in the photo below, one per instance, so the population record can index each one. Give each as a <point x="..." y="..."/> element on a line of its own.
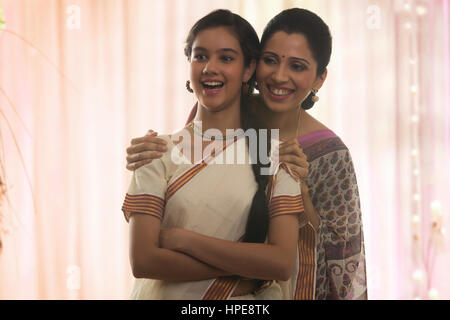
<point x="217" y="68"/>
<point x="286" y="72"/>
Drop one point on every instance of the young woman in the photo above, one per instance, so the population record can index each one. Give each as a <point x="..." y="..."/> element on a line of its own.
<point x="219" y="210"/>
<point x="296" y="49"/>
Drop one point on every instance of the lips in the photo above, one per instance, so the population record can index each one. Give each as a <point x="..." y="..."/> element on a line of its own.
<point x="279" y="93"/>
<point x="212" y="86"/>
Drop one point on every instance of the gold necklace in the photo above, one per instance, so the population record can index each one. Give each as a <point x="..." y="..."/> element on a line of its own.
<point x="298" y="122"/>
<point x="198" y="132"/>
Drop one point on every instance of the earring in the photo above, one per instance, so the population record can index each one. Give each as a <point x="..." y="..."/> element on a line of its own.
<point x="188" y="86"/>
<point x="308" y="103"/>
<point x="314" y="98"/>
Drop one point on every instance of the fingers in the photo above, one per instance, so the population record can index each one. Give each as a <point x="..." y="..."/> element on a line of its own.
<point x="143" y="156"/>
<point x="292" y="148"/>
<point x="150" y="137"/>
<point x="299" y="172"/>
<point x="295" y="161"/>
<point x="146" y="146"/>
<point x="135" y="165"/>
<point x="145" y="149"/>
<point x="294" y="157"/>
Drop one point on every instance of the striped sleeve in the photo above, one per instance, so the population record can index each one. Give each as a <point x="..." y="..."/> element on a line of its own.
<point x="286" y="198"/>
<point x="283" y="204"/>
<point x="146" y="192"/>
<point x="144" y="204"/>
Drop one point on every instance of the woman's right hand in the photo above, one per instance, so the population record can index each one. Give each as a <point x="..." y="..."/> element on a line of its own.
<point x="144" y="150"/>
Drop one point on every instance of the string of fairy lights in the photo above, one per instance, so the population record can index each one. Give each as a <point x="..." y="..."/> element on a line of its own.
<point x="2" y="18"/>
<point x="423" y="250"/>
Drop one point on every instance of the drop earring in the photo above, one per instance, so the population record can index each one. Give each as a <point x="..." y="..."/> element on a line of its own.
<point x="314" y="98"/>
<point x="188" y="86"/>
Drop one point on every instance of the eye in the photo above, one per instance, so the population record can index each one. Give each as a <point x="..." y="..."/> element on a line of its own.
<point x="269" y="60"/>
<point x="199" y="57"/>
<point x="226" y="58"/>
<point x="298" y="67"/>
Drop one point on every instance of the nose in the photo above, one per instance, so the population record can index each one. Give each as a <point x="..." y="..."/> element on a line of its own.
<point x="210" y="67"/>
<point x="280" y="75"/>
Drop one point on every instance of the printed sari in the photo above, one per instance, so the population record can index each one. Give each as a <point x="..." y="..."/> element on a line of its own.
<point x="339" y="242"/>
<point x="208" y="198"/>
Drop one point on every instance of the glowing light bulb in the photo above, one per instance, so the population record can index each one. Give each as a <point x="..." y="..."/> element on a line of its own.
<point x="436" y="211"/>
<point x="418" y="275"/>
<point x="407" y="25"/>
<point x="436" y="206"/>
<point x="414" y="152"/>
<point x="417" y="197"/>
<point x="421" y="10"/>
<point x="415" y="118"/>
<point x="413" y="89"/>
<point x="433" y="294"/>
<point x="416" y="172"/>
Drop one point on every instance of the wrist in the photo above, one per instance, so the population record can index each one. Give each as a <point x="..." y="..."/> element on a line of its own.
<point x="304" y="188"/>
<point x="183" y="239"/>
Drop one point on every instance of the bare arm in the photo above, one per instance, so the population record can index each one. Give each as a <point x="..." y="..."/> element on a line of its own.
<point x="272" y="261"/>
<point x="150" y="261"/>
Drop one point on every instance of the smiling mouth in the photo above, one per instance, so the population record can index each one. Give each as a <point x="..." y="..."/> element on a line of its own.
<point x="279" y="92"/>
<point x="212" y="85"/>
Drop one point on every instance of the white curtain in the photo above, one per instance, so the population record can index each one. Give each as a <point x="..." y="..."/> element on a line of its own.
<point x="80" y="78"/>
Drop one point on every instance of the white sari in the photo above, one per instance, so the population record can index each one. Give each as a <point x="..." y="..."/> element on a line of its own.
<point x="207" y="198"/>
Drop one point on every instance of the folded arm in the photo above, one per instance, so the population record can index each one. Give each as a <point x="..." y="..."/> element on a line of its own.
<point x="148" y="260"/>
<point x="272" y="261"/>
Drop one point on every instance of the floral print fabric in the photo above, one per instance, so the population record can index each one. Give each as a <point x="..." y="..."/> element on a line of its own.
<point x="341" y="270"/>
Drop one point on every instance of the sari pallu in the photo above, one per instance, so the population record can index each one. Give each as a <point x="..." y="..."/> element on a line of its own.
<point x="207" y="198"/>
<point x="340" y="255"/>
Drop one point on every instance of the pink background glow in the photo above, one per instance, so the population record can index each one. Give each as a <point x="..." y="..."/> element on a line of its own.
<point x="76" y="86"/>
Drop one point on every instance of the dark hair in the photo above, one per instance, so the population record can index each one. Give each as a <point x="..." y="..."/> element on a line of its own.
<point x="314" y="29"/>
<point x="258" y="219"/>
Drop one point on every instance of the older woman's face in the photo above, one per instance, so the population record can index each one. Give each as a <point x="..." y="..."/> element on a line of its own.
<point x="286" y="72"/>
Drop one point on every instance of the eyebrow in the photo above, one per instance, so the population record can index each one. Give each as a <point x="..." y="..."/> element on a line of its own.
<point x="220" y="50"/>
<point x="292" y="58"/>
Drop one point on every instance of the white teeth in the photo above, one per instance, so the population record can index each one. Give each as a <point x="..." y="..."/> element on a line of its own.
<point x="213" y="83"/>
<point x="279" y="92"/>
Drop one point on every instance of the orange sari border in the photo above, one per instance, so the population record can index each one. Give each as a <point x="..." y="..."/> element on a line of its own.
<point x="281" y="205"/>
<point x="143" y="203"/>
<point x="220" y="289"/>
<point x="191" y="173"/>
<point x="305" y="284"/>
<point x="183" y="179"/>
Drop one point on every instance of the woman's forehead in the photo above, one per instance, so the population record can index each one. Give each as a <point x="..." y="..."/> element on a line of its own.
<point x="289" y="45"/>
<point x="217" y="37"/>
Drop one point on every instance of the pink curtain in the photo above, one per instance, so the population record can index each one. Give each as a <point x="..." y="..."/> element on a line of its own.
<point x="80" y="78"/>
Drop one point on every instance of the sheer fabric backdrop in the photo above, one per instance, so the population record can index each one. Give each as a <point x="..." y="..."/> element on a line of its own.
<point x="80" y="78"/>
